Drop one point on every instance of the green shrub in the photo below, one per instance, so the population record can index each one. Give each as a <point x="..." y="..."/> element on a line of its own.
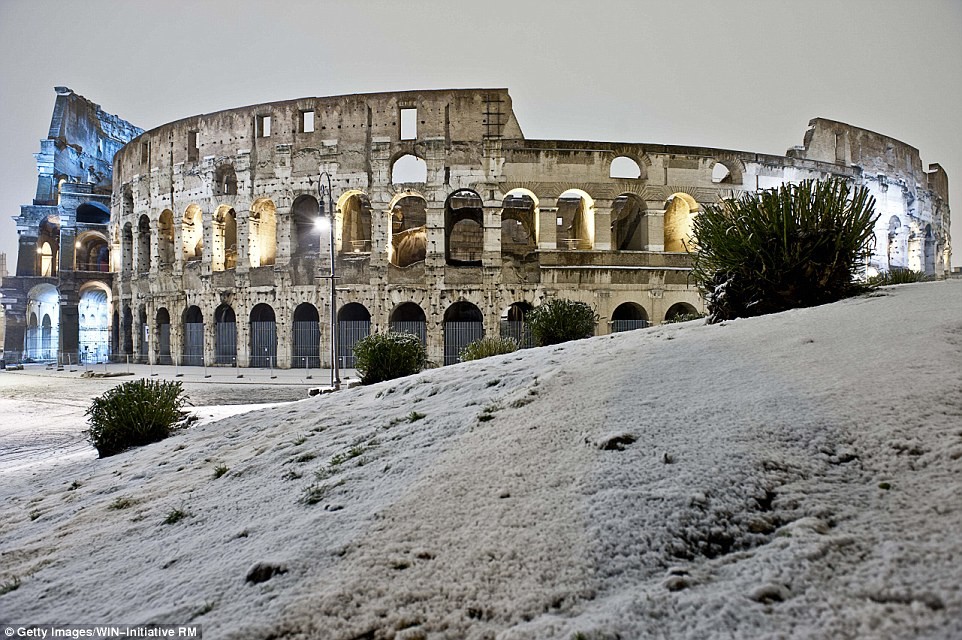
<point x="897" y="276"/>
<point x="683" y="317"/>
<point x="386" y="356"/>
<point x="135" y="413"/>
<point x="561" y="320"/>
<point x="486" y="347"/>
<point x="777" y="249"/>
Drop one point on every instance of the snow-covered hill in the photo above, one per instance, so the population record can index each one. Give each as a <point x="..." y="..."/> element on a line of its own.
<point x="792" y="476"/>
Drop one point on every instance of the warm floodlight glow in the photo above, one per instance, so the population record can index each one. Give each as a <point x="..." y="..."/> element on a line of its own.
<point x="323" y="223"/>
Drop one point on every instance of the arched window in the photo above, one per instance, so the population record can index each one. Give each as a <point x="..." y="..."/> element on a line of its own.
<point x="192" y="234"/>
<point x="680" y="311"/>
<point x="263" y="341"/>
<point x="224" y="253"/>
<point x="624" y="167"/>
<point x="463" y="324"/>
<point x="165" y="239"/>
<point x="353" y="325"/>
<point x="93" y="213"/>
<point x="225" y="335"/>
<point x="680" y="210"/>
<point x="628" y="316"/>
<point x="720" y="173"/>
<point x="304" y="214"/>
<point x="519" y="223"/>
<point x="225" y="181"/>
<point x="355" y="222"/>
<point x="128" y="331"/>
<point x="409" y="169"/>
<point x="143" y="244"/>
<point x="463" y="228"/>
<point x="48" y="247"/>
<point x="628" y="229"/>
<point x="306" y="338"/>
<point x="896" y="244"/>
<point x="262" y="233"/>
<point x="576" y="220"/>
<point x="408" y="229"/>
<point x="408" y="317"/>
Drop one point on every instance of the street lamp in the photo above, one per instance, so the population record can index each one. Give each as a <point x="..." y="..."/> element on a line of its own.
<point x="328" y="224"/>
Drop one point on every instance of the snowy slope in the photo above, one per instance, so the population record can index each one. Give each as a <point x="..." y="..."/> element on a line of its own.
<point x="792" y="476"/>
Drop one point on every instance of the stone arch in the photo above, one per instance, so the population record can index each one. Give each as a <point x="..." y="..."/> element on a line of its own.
<point x="224" y="249"/>
<point x="93" y="213"/>
<point x="354" y="222"/>
<point x="408" y="229"/>
<point x="305" y="213"/>
<point x="680" y="211"/>
<point x="463" y="324"/>
<point x="628" y="316"/>
<point x="165" y="239"/>
<point x="43" y="300"/>
<point x="720" y="173"/>
<point x="514" y="325"/>
<point x="143" y="244"/>
<point x="225" y="181"/>
<point x="463" y="228"/>
<point x="353" y="325"/>
<point x="48" y="247"/>
<point x="193" y="324"/>
<point x="408" y="317"/>
<point x="162" y="327"/>
<point x="576" y="220"/>
<point x="629" y="229"/>
<point x="225" y="335"/>
<point x="896" y="241"/>
<point x="519" y="222"/>
<point x="192" y="234"/>
<point x="625" y="167"/>
<point x="262" y="233"/>
<point x="679" y="309"/>
<point x="408" y="168"/>
<point x="94" y="309"/>
<point x="306" y="339"/>
<point x="263" y="336"/>
<point x="92" y="252"/>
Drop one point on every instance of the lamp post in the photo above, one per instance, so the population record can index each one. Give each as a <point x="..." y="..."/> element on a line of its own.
<point x="323" y="222"/>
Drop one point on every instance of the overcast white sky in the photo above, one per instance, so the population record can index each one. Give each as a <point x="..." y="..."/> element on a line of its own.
<point x="737" y="74"/>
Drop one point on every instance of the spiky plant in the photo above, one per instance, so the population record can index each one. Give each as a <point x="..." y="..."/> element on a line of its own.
<point x="797" y="245"/>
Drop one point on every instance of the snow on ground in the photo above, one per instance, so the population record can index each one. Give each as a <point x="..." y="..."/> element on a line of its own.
<point x="792" y="476"/>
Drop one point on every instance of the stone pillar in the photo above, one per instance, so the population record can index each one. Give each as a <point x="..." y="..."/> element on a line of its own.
<point x="655" y="219"/>
<point x="602" y="228"/>
<point x="548" y="228"/>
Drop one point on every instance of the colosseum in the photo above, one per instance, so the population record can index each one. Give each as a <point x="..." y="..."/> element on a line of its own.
<point x="429" y="211"/>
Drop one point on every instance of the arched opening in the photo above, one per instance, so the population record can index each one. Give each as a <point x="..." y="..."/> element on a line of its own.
<point x="48" y="247"/>
<point x="165" y="239"/>
<point x="193" y="355"/>
<point x="225" y="181"/>
<point x="262" y="233"/>
<point x="576" y="220"/>
<point x="93" y="213"/>
<point x="127" y="248"/>
<point x="128" y="331"/>
<point x="143" y="244"/>
<point x="92" y="252"/>
<point x="304" y="215"/>
<point x="408" y="317"/>
<point x="224" y="251"/>
<point x="353" y="325"/>
<point x="355" y="218"/>
<point x="225" y="335"/>
<point x="409" y="238"/>
<point x="192" y="234"/>
<point x="409" y="169"/>
<point x="720" y="173"/>
<point x="144" y="334"/>
<point x="94" y="310"/>
<point x="628" y="229"/>
<point x="628" y="316"/>
<point x="929" y="251"/>
<point x="463" y="324"/>
<point x="307" y="337"/>
<point x="519" y="223"/>
<point x="680" y="311"/>
<point x="463" y="228"/>
<point x="43" y="323"/>
<point x="624" y="167"/>
<point x="514" y="325"/>
<point x="48" y="349"/>
<point x="163" y="337"/>
<point x="896" y="244"/>
<point x="680" y="210"/>
<point x="263" y="341"/>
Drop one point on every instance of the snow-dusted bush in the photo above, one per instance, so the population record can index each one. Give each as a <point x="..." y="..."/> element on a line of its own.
<point x="561" y="320"/>
<point x="487" y="347"/>
<point x="385" y="356"/>
<point x="135" y="413"/>
<point x="898" y="276"/>
<point x="798" y="245"/>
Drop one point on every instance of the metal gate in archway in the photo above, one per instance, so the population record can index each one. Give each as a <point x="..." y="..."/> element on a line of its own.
<point x="349" y="333"/>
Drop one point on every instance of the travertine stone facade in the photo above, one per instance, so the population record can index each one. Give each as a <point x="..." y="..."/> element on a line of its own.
<point x="442" y="203"/>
